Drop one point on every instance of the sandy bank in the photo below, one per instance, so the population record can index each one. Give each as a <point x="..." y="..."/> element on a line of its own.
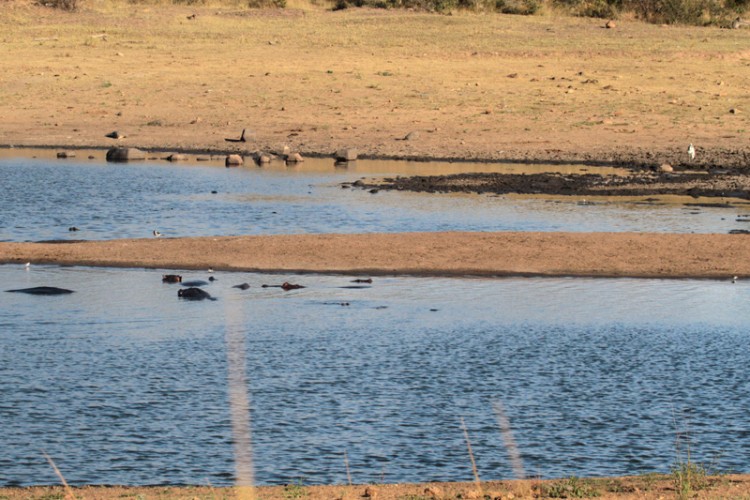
<point x="712" y="256"/>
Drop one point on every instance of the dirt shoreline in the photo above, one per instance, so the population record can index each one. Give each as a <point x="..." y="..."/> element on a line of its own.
<point x="636" y="255"/>
<point x="649" y="486"/>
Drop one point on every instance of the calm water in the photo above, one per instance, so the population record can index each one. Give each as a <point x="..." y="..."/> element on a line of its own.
<point x="43" y="197"/>
<point x="121" y="382"/>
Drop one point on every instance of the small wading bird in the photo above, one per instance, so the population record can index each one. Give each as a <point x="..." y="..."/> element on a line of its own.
<point x="156" y="233"/>
<point x="691" y="151"/>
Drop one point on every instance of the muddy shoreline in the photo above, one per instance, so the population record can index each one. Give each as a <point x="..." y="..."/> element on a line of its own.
<point x="735" y="161"/>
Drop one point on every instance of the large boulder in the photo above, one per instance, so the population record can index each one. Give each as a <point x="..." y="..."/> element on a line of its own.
<point x="233" y="161"/>
<point x="125" y="154"/>
<point x="346" y="154"/>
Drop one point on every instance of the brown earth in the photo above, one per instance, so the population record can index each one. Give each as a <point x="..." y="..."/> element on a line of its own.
<point x="450" y="254"/>
<point x="484" y="87"/>
<point x="651" y="486"/>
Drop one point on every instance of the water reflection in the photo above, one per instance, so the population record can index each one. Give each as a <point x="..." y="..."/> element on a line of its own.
<point x="121" y="382"/>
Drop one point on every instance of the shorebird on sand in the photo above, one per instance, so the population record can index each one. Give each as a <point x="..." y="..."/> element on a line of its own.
<point x="691" y="151"/>
<point x="156" y="233"/>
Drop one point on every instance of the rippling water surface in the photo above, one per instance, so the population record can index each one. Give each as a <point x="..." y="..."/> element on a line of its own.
<point x="122" y="382"/>
<point x="43" y="197"/>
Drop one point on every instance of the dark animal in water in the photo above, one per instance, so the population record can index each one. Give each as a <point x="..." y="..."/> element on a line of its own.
<point x="194" y="294"/>
<point x="243" y="286"/>
<point x="368" y="280"/>
<point x="194" y="283"/>
<point x="171" y="278"/>
<point x="211" y="278"/>
<point x="284" y="286"/>
<point x="72" y="228"/>
<point x="42" y="290"/>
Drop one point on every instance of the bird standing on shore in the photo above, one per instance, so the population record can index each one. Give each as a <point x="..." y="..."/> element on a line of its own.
<point x="691" y="151"/>
<point x="156" y="233"/>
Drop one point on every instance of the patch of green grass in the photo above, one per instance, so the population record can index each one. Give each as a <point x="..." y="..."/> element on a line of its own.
<point x="294" y="491"/>
<point x="571" y="487"/>
<point x="689" y="477"/>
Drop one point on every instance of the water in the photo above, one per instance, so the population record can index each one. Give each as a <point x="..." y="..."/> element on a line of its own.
<point x="122" y="382"/>
<point x="43" y="197"/>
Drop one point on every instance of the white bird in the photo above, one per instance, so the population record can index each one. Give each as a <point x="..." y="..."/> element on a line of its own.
<point x="156" y="233"/>
<point x="28" y="266"/>
<point x="691" y="151"/>
<point x="210" y="269"/>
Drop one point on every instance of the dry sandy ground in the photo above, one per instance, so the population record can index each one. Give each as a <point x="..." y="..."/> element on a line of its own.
<point x="650" y="486"/>
<point x="452" y="254"/>
<point x="471" y="86"/>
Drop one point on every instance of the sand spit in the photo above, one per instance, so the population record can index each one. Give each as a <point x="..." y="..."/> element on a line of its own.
<point x="712" y="256"/>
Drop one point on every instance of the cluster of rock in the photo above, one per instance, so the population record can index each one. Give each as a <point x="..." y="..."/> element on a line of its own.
<point x="124" y="154"/>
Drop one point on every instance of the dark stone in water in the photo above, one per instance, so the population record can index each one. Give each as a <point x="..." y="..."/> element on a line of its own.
<point x="243" y="286"/>
<point x="194" y="294"/>
<point x="194" y="283"/>
<point x="739" y="231"/>
<point x="42" y="290"/>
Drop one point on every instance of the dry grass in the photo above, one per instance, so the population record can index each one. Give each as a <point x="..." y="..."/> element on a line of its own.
<point x="473" y="85"/>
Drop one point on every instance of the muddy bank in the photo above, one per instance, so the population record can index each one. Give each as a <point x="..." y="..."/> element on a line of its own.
<point x="642" y="255"/>
<point x="712" y="184"/>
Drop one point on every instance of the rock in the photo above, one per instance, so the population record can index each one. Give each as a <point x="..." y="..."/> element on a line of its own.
<point x="125" y="154"/>
<point x="413" y="135"/>
<point x="433" y="492"/>
<point x="370" y="492"/>
<point x="115" y="135"/>
<point x="262" y="158"/>
<point x="66" y="154"/>
<point x="233" y="161"/>
<point x="346" y="154"/>
<point x="610" y="25"/>
<point x="294" y="158"/>
<point x="471" y="495"/>
<point x="204" y="158"/>
<point x="177" y="157"/>
<point x="666" y="167"/>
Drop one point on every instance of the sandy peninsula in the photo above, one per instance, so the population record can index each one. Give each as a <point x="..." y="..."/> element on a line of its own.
<point x="438" y="254"/>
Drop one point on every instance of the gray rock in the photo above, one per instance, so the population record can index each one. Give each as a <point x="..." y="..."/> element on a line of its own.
<point x="346" y="154"/>
<point x="412" y="136"/>
<point x="294" y="158"/>
<point x="666" y="167"/>
<point x="66" y="154"/>
<point x="125" y="154"/>
<point x="262" y="158"/>
<point x="177" y="157"/>
<point x="233" y="161"/>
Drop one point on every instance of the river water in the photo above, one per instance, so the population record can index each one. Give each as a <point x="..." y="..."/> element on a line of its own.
<point x="43" y="198"/>
<point x="121" y="382"/>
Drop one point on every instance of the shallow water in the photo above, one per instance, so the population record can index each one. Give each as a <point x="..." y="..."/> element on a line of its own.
<point x="44" y="197"/>
<point x="122" y="382"/>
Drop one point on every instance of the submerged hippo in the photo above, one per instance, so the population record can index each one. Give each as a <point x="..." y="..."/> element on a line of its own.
<point x="171" y="278"/>
<point x="195" y="283"/>
<point x="194" y="294"/>
<point x="285" y="286"/>
<point x="243" y="286"/>
<point x="42" y="290"/>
